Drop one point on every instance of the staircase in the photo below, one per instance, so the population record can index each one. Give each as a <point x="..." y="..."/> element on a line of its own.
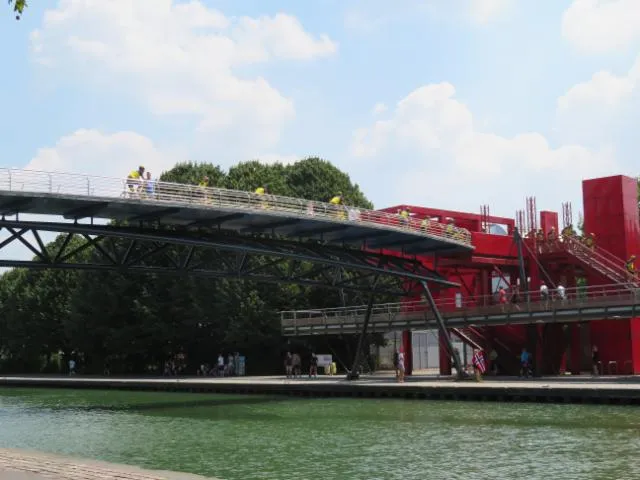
<point x="601" y="261"/>
<point x="508" y="363"/>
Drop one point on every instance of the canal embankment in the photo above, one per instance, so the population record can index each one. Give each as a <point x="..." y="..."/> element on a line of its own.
<point x="583" y="389"/>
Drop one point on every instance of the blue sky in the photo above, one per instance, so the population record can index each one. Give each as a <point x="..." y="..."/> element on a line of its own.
<point x="444" y="103"/>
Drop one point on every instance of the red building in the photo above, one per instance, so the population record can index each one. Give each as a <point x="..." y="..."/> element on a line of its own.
<point x="611" y="237"/>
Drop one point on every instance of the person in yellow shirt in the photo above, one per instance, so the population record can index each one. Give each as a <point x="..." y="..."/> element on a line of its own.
<point x="405" y="216"/>
<point x="425" y="224"/>
<point x="630" y="265"/>
<point x="337" y="204"/>
<point x="263" y="190"/>
<point x="204" y="184"/>
<point x="134" y="180"/>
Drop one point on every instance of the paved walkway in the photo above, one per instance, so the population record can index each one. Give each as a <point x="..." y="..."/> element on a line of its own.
<point x="21" y="465"/>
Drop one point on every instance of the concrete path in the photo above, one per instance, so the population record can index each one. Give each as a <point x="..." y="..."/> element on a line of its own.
<point x="22" y="465"/>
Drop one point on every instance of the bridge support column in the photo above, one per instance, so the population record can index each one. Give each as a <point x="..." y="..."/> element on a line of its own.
<point x="444" y="356"/>
<point x="407" y="347"/>
<point x="353" y="374"/>
<point x="444" y="334"/>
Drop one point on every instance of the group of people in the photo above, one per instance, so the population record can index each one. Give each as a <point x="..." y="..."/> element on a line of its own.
<point x="139" y="183"/>
<point x="221" y="368"/>
<point x="293" y="365"/>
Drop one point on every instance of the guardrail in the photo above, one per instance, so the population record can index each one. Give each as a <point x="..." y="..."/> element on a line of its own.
<point x="33" y="181"/>
<point x="596" y="296"/>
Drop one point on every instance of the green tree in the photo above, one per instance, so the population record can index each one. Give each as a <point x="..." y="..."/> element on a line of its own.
<point x="317" y="179"/>
<point x="134" y="323"/>
<point x="18" y="7"/>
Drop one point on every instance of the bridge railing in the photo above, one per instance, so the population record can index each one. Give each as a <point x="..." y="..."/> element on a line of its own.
<point x="596" y="296"/>
<point x="33" y="181"/>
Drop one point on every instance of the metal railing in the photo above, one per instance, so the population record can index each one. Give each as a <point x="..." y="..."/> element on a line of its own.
<point x="602" y="260"/>
<point x="32" y="181"/>
<point x="596" y="296"/>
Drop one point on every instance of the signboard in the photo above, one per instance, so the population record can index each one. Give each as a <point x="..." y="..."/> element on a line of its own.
<point x="324" y="360"/>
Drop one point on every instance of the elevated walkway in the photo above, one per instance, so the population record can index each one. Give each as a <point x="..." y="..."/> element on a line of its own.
<point x="579" y="305"/>
<point x="77" y="197"/>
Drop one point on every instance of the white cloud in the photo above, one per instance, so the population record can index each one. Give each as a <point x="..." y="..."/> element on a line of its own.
<point x="441" y="157"/>
<point x="598" y="26"/>
<point x="379" y="108"/>
<point x="368" y="15"/>
<point x="485" y="11"/>
<point x="96" y="153"/>
<point x="593" y="110"/>
<point x="179" y="59"/>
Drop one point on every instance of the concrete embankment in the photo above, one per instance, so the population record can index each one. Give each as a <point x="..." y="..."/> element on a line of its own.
<point x="23" y="465"/>
<point x="582" y="389"/>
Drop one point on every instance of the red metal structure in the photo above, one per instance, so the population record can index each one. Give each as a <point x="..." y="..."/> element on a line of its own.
<point x="523" y="253"/>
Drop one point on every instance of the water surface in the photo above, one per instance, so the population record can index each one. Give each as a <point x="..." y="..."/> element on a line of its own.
<point x="236" y="437"/>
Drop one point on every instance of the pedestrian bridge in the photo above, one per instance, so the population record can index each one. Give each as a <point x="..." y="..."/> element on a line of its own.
<point x="578" y="305"/>
<point x="79" y="197"/>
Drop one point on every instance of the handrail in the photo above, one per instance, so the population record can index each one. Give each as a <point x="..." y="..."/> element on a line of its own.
<point x="34" y="181"/>
<point x="600" y="292"/>
<point x="599" y="254"/>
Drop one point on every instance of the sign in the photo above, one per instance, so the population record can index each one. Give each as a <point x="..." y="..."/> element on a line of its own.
<point x="324" y="360"/>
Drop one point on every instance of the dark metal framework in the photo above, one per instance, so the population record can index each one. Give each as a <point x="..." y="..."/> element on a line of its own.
<point x="211" y="254"/>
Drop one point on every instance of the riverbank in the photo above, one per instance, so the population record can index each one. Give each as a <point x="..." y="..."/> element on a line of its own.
<point x="22" y="465"/>
<point x="579" y="389"/>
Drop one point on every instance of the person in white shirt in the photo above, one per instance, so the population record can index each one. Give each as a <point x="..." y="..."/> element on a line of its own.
<point x="560" y="291"/>
<point x="220" y="365"/>
<point x="401" y="366"/>
<point x="544" y="293"/>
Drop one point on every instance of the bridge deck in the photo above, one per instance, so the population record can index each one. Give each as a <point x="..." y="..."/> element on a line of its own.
<point x="597" y="303"/>
<point x="79" y="197"/>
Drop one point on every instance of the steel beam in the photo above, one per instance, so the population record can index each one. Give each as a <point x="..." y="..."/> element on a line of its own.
<point x="85" y="211"/>
<point x="443" y="330"/>
<point x="214" y="255"/>
<point x="524" y="284"/>
<point x="354" y="374"/>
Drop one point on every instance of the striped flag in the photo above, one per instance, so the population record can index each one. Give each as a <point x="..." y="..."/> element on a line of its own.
<point x="478" y="361"/>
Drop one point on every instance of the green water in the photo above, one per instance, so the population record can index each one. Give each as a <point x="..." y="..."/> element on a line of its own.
<point x="253" y="437"/>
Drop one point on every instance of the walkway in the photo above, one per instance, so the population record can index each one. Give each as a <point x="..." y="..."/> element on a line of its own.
<point x="22" y="465"/>
<point x="76" y="197"/>
<point x="579" y="304"/>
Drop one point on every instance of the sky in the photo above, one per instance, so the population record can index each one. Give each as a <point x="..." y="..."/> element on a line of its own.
<point x="442" y="103"/>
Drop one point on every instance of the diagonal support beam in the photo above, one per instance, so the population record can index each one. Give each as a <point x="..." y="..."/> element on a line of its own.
<point x="443" y="330"/>
<point x="353" y="374"/>
<point x="21" y="239"/>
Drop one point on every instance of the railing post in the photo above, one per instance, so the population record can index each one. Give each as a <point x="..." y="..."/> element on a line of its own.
<point x="50" y="184"/>
<point x="88" y="186"/>
<point x="9" y="170"/>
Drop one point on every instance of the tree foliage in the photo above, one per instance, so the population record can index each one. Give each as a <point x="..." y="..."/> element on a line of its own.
<point x="130" y="323"/>
<point x="18" y="7"/>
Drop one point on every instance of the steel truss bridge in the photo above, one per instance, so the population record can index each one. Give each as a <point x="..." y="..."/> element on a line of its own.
<point x="578" y="305"/>
<point x="168" y="228"/>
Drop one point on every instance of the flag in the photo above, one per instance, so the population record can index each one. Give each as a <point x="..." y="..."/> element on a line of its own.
<point x="478" y="361"/>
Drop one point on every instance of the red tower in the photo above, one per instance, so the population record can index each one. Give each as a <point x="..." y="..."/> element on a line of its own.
<point x="611" y="216"/>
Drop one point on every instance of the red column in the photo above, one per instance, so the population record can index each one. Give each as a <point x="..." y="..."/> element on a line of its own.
<point x="407" y="348"/>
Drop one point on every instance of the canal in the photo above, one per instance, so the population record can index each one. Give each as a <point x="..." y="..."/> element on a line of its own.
<point x="262" y="437"/>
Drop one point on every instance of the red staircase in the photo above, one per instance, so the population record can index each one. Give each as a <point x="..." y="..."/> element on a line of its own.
<point x="502" y="341"/>
<point x="600" y="261"/>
